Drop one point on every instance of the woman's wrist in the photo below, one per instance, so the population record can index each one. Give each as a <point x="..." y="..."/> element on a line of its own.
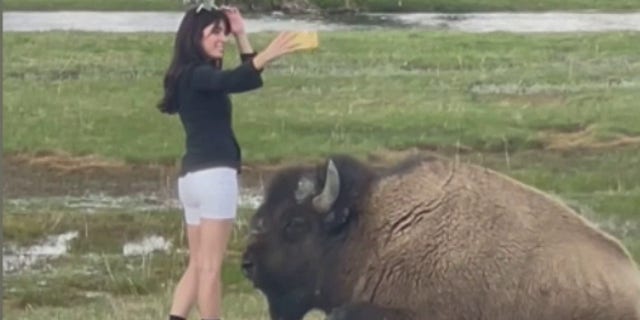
<point x="240" y="36"/>
<point x="260" y="60"/>
<point x="242" y="40"/>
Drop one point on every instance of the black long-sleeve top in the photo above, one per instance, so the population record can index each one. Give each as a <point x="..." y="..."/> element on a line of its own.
<point x="205" y="111"/>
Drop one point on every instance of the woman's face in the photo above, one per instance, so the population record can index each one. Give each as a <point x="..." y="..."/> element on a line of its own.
<point x="213" y="38"/>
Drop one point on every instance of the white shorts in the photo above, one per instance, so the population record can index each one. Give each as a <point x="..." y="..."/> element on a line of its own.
<point x="210" y="194"/>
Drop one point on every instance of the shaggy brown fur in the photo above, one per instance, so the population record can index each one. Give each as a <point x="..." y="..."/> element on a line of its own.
<point x="437" y="240"/>
<point x="449" y="241"/>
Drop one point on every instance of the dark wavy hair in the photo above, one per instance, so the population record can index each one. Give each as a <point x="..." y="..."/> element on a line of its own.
<point x="187" y="52"/>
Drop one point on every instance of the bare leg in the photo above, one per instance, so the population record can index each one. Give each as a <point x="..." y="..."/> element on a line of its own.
<point x="185" y="293"/>
<point x="214" y="236"/>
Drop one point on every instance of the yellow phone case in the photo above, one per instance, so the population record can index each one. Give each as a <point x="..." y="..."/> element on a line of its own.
<point x="307" y="39"/>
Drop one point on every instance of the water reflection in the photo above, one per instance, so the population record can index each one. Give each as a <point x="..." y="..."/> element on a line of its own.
<point x="472" y="22"/>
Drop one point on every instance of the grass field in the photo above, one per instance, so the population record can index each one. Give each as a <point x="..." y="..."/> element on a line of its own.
<point x="367" y="5"/>
<point x="559" y="112"/>
<point x="90" y="94"/>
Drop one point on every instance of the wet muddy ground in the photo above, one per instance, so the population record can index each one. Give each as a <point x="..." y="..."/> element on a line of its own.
<point x="57" y="175"/>
<point x="60" y="175"/>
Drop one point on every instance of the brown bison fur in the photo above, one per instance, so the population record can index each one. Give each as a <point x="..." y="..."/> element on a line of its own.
<point x="431" y="239"/>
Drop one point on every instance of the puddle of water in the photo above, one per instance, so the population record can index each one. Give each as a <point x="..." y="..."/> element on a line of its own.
<point x="469" y="22"/>
<point x="146" y="246"/>
<point x="250" y="198"/>
<point x="141" y="22"/>
<point x="521" y="22"/>
<point x="17" y="259"/>
<point x="91" y="203"/>
<point x="97" y="203"/>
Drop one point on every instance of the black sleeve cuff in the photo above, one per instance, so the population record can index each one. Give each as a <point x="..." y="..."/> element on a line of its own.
<point x="244" y="57"/>
<point x="247" y="58"/>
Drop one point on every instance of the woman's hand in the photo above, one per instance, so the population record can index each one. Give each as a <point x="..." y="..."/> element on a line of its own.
<point x="235" y="20"/>
<point x="283" y="44"/>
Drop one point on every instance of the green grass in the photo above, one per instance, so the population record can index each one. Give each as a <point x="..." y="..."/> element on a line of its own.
<point x="96" y="231"/>
<point x="100" y="253"/>
<point x="95" y="277"/>
<point x="541" y="108"/>
<point x="239" y="306"/>
<point x="368" y="5"/>
<point x="359" y="92"/>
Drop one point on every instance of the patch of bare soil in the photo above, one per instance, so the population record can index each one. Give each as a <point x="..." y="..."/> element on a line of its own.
<point x="58" y="174"/>
<point x="531" y="100"/>
<point x="61" y="174"/>
<point x="585" y="139"/>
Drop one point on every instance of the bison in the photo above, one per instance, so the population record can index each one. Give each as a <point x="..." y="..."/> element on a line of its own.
<point x="430" y="239"/>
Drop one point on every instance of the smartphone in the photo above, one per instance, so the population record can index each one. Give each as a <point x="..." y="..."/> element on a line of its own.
<point x="308" y="39"/>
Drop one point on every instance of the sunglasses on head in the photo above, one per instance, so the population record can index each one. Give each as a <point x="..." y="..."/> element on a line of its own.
<point x="203" y="5"/>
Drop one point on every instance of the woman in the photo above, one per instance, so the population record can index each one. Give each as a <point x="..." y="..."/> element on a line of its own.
<point x="197" y="89"/>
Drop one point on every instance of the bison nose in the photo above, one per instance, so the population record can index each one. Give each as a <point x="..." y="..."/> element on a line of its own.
<point x="247" y="267"/>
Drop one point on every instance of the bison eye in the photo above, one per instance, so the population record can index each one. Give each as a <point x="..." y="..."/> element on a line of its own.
<point x="295" y="227"/>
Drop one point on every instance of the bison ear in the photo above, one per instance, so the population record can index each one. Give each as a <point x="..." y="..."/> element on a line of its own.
<point x="306" y="187"/>
<point x="325" y="200"/>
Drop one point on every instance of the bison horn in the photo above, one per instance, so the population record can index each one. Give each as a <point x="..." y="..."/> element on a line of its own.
<point x="325" y="200"/>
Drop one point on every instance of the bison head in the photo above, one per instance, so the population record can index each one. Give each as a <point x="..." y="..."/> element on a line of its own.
<point x="297" y="233"/>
